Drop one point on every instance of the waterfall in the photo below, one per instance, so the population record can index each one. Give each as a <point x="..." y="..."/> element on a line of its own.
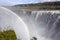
<point x="43" y="24"/>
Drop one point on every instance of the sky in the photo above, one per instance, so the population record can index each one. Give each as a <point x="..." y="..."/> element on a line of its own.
<point x="14" y="2"/>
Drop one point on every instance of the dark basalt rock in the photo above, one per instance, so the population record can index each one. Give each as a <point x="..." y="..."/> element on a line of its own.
<point x="41" y="6"/>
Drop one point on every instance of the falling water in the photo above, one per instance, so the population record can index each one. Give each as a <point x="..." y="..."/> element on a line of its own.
<point x="43" y="24"/>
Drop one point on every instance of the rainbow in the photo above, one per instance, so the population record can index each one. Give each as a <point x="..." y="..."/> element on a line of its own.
<point x="19" y="18"/>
